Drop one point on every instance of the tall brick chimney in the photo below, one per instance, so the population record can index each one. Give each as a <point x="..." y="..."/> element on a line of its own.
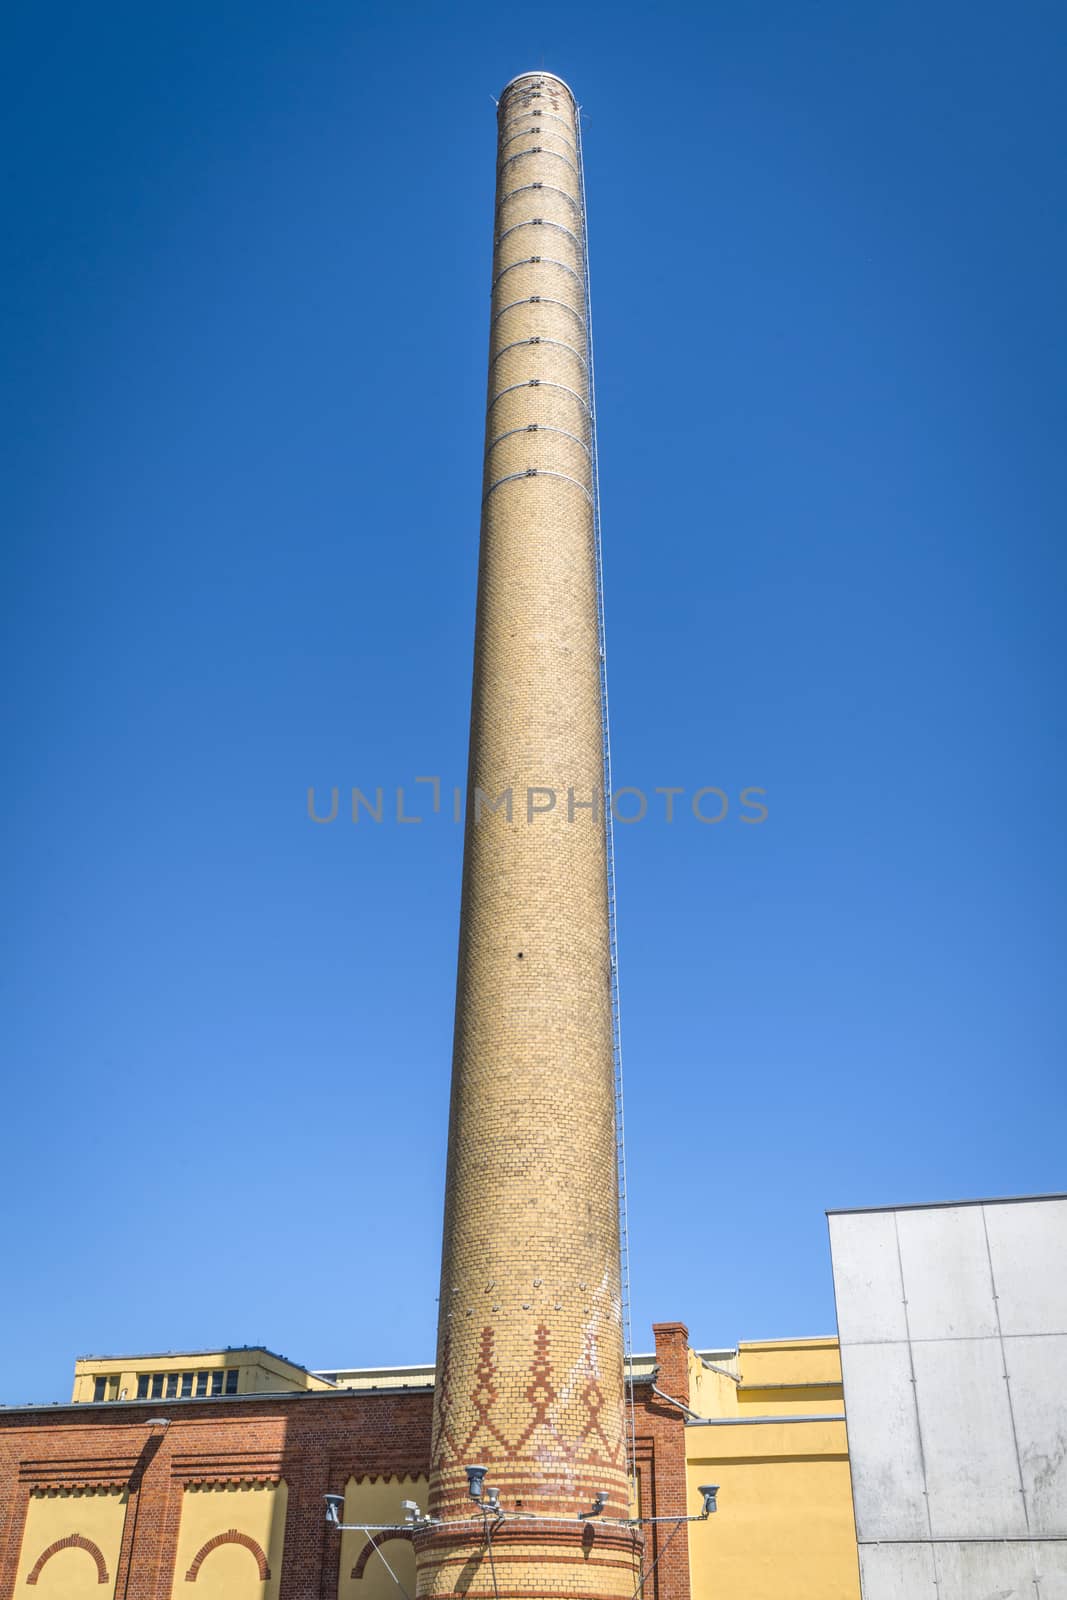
<point x="530" y="1349"/>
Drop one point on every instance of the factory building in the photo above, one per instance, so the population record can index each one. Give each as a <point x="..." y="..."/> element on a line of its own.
<point x="109" y="1498"/>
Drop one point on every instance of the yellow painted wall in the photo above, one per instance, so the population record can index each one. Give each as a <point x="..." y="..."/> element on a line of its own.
<point x="784" y="1529"/>
<point x="71" y="1574"/>
<point x="259" y="1372"/>
<point x="371" y="1503"/>
<point x="798" y="1400"/>
<point x="782" y="1361"/>
<point x="782" y="1377"/>
<point x="230" y="1571"/>
<point x="711" y="1394"/>
<point x="420" y="1377"/>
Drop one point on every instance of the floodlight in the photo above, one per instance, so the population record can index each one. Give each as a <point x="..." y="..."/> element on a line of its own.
<point x="335" y="1505"/>
<point x="709" y="1491"/>
<point x="476" y="1482"/>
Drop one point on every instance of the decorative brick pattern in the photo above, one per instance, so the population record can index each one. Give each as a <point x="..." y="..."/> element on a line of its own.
<point x="73" y="1541"/>
<point x="530" y="1335"/>
<point x="372" y="1545"/>
<point x="231" y="1536"/>
<point x="319" y="1443"/>
<point x="316" y="1442"/>
<point x="530" y="1364"/>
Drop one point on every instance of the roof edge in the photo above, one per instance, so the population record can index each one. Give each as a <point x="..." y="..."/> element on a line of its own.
<point x="185" y="1355"/>
<point x="944" y="1205"/>
<point x="123" y="1411"/>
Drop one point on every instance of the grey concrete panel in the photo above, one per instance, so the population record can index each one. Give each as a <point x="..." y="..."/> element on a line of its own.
<point x="1037" y="1382"/>
<point x="972" y="1475"/>
<point x="939" y="1473"/>
<point x="1028" y="1247"/>
<point x="897" y="1572"/>
<point x="870" y="1299"/>
<point x="887" y="1485"/>
<point x="985" y="1571"/>
<point x="947" y="1281"/>
<point x="1050" y="1564"/>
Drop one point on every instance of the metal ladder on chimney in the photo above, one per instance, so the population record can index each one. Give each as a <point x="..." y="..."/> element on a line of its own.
<point x="609" y="836"/>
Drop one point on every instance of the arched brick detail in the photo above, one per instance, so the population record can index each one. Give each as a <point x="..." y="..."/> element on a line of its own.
<point x="372" y="1545"/>
<point x="231" y="1536"/>
<point x="73" y="1541"/>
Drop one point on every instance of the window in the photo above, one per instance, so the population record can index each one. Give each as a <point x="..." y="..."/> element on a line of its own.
<point x="100" y="1389"/>
<point x="173" y="1385"/>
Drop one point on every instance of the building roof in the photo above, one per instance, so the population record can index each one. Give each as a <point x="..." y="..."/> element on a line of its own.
<point x="946" y="1205"/>
<point x="181" y="1355"/>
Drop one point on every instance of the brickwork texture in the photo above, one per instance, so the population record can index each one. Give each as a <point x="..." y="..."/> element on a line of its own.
<point x="228" y="1496"/>
<point x="530" y="1353"/>
<point x="86" y="1490"/>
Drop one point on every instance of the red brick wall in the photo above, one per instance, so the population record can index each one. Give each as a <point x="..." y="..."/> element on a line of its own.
<point x="660" y="1448"/>
<point x="315" y="1442"/>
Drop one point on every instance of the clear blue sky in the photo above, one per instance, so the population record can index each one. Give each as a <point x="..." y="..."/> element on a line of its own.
<point x="245" y="292"/>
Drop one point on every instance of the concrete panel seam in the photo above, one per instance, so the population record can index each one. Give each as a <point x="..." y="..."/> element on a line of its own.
<point x="1004" y="1370"/>
<point x="914" y="1386"/>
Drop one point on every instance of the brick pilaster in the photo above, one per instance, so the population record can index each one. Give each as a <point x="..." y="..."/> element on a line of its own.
<point x="672" y="1359"/>
<point x="143" y="1552"/>
<point x="661" y="1452"/>
<point x="16" y="1500"/>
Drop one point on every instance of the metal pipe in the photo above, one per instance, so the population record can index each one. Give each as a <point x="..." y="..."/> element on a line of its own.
<point x="690" y="1414"/>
